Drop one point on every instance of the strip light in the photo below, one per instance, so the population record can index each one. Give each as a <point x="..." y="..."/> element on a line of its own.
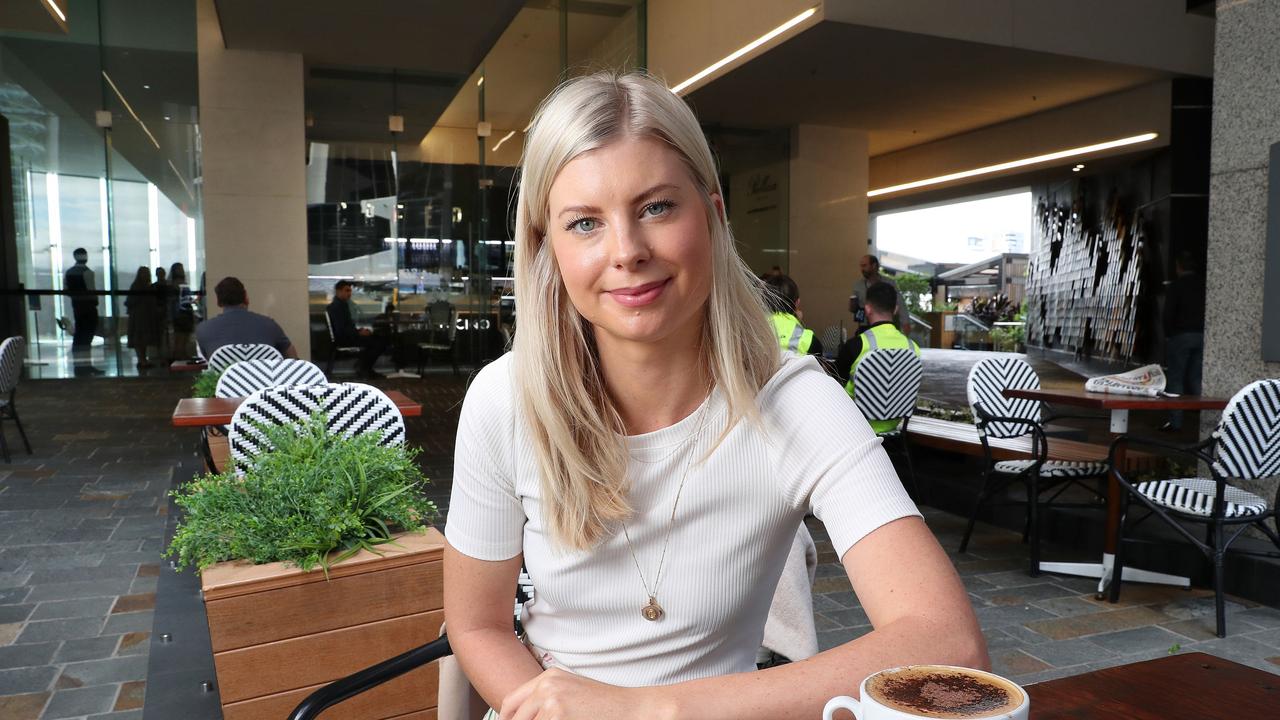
<point x="129" y="107"/>
<point x="505" y="138"/>
<point x="1145" y="137"/>
<point x="56" y="10"/>
<point x="678" y="89"/>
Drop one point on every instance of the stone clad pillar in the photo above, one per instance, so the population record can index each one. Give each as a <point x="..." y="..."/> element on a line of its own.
<point x="1246" y="95"/>
<point x="827" y="230"/>
<point x="253" y="147"/>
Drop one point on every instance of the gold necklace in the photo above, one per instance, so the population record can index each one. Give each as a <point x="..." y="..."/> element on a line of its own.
<point x="652" y="611"/>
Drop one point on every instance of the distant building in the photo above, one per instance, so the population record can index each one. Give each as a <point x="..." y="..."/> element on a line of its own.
<point x="1002" y="274"/>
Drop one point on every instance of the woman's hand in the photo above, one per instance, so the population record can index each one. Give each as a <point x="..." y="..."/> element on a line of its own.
<point x="559" y="695"/>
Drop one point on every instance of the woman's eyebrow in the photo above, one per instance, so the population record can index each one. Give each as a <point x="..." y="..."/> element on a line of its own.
<point x="587" y="209"/>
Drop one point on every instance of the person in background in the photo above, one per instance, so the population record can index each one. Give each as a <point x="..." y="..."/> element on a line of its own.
<point x="78" y="282"/>
<point x="345" y="332"/>
<point x="142" y="309"/>
<point x="1183" y="333"/>
<point x="882" y="334"/>
<point x="184" y="318"/>
<point x="160" y="289"/>
<point x="782" y="296"/>
<point x="869" y="267"/>
<point x="236" y="324"/>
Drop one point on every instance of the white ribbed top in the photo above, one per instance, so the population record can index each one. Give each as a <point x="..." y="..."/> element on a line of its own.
<point x="738" y="513"/>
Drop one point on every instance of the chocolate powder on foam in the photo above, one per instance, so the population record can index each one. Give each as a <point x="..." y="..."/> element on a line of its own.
<point x="944" y="694"/>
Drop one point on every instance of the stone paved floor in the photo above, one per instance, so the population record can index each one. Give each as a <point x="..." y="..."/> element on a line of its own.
<point x="81" y="525"/>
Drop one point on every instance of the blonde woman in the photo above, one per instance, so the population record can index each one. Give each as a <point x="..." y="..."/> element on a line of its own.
<point x="649" y="454"/>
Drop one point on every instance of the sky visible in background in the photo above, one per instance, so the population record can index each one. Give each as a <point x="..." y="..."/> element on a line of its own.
<point x="963" y="232"/>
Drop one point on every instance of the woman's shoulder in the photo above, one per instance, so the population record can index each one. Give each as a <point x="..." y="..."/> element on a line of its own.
<point x="493" y="387"/>
<point x="801" y="393"/>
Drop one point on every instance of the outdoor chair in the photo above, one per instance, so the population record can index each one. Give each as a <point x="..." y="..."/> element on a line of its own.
<point x="223" y="357"/>
<point x="997" y="416"/>
<point x="830" y="338"/>
<point x="1244" y="446"/>
<point x="336" y="351"/>
<point x="350" y="409"/>
<point x="886" y="384"/>
<point x="246" y="377"/>
<point x="371" y="677"/>
<point x="12" y="353"/>
<point x="439" y="334"/>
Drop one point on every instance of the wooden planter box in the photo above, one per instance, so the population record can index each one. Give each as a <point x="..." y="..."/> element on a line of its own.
<point x="278" y="633"/>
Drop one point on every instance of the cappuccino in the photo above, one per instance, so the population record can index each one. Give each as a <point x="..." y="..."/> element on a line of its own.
<point x="935" y="691"/>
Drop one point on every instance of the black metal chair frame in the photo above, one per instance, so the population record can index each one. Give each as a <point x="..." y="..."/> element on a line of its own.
<point x="899" y="435"/>
<point x="336" y="351"/>
<point x="434" y="331"/>
<point x="10" y="412"/>
<point x="1216" y="542"/>
<point x="994" y="481"/>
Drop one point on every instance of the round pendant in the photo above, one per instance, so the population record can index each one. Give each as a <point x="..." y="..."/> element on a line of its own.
<point x="652" y="612"/>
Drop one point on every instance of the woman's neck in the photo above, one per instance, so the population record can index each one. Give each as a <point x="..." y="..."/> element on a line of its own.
<point x="655" y="385"/>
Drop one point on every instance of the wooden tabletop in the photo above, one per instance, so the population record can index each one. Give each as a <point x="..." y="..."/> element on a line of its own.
<point x="1189" y="685"/>
<point x="1079" y="397"/>
<point x="187" y="366"/>
<point x="198" y="412"/>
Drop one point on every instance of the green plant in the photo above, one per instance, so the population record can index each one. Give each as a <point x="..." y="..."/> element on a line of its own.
<point x="1008" y="338"/>
<point x="313" y="494"/>
<point x="914" y="289"/>
<point x="206" y="384"/>
<point x="996" y="308"/>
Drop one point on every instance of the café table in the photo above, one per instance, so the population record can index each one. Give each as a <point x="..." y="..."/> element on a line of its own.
<point x="203" y="412"/>
<point x="188" y="366"/>
<point x="1119" y="407"/>
<point x="1186" y="685"/>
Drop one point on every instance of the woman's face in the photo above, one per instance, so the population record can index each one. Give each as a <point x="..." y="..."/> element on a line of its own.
<point x="630" y="236"/>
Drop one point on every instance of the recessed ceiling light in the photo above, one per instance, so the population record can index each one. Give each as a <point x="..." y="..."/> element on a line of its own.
<point x="166" y="117"/>
<point x="146" y="87"/>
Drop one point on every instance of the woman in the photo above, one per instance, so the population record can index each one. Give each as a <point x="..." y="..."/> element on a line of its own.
<point x="184" y="319"/>
<point x="648" y="454"/>
<point x="141" y="306"/>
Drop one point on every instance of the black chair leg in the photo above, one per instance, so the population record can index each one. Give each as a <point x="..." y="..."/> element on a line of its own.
<point x="328" y="367"/>
<point x="1033" y="511"/>
<point x="4" y="446"/>
<point x="1117" y="562"/>
<point x="973" y="516"/>
<point x="21" y="432"/>
<point x="916" y="490"/>
<point x="1219" y="579"/>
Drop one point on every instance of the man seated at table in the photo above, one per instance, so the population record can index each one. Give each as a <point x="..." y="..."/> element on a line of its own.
<point x="237" y="324"/>
<point x="783" y="299"/>
<point x="881" y="334"/>
<point x="346" y="334"/>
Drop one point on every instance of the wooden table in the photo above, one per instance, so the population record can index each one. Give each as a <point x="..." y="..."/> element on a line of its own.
<point x="1119" y="407"/>
<point x="187" y="366"/>
<point x="1189" y="685"/>
<point x="203" y="412"/>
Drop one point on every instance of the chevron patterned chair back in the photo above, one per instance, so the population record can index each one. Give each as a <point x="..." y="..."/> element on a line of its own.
<point x="223" y="357"/>
<point x="246" y="377"/>
<point x="1248" y="436"/>
<point x="987" y="381"/>
<point x="352" y="409"/>
<point x="12" y="350"/>
<point x="886" y="384"/>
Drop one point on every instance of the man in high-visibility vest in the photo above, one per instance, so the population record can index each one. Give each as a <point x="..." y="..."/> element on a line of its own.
<point x="882" y="334"/>
<point x="782" y="295"/>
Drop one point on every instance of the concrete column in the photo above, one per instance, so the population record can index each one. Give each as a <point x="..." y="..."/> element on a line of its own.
<point x="1246" y="93"/>
<point x="828" y="219"/>
<point x="254" y="181"/>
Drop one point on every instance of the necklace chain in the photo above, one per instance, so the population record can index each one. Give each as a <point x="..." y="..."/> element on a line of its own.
<point x="653" y="611"/>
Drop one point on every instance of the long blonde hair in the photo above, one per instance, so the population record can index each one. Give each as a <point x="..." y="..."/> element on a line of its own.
<point x="578" y="434"/>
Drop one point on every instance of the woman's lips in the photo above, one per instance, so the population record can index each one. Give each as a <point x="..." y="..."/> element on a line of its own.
<point x="639" y="295"/>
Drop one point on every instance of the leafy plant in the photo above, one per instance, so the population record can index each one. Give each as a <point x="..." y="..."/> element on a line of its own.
<point x="932" y="409"/>
<point x="988" y="310"/>
<point x="206" y="384"/>
<point x="914" y="289"/>
<point x="314" y="499"/>
<point x="1008" y="338"/>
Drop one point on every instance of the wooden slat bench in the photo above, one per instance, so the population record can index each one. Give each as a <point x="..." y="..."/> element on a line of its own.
<point x="962" y="438"/>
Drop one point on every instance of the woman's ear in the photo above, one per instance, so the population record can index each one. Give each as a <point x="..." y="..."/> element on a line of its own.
<point x="718" y="203"/>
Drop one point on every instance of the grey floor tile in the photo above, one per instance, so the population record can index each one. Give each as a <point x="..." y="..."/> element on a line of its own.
<point x="121" y="623"/>
<point x="1001" y="615"/>
<point x="15" y="613"/>
<point x="1066" y="653"/>
<point x="95" y="648"/>
<point x="72" y="590"/>
<point x="848" y="617"/>
<point x="10" y="596"/>
<point x="27" y="655"/>
<point x="122" y="715"/>
<point x="1067" y="606"/>
<point x="26" y="680"/>
<point x="1025" y="594"/>
<point x="1142" y="639"/>
<point x="67" y="629"/>
<point x="78" y="702"/>
<point x="1263" y="617"/>
<point x="110" y="670"/>
<point x="80" y="607"/>
<point x="1235" y="648"/>
<point x="1266" y="637"/>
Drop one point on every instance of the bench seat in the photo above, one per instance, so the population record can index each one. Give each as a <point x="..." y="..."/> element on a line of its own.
<point x="962" y="438"/>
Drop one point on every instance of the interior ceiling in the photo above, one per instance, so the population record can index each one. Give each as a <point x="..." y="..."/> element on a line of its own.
<point x="904" y="89"/>
<point x="32" y="16"/>
<point x="351" y="51"/>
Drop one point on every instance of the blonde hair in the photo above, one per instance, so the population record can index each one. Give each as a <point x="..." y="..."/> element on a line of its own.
<point x="578" y="435"/>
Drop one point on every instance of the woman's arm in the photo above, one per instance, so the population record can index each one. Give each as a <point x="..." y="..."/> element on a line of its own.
<point x="478" y="600"/>
<point x="911" y="593"/>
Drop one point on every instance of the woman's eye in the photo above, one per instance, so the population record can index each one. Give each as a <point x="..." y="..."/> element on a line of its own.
<point x="585" y="225"/>
<point x="655" y="209"/>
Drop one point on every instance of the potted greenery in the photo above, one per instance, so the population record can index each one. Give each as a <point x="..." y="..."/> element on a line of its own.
<point x="315" y="562"/>
<point x="206" y="384"/>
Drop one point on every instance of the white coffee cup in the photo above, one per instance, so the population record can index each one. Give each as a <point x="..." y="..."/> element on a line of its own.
<point x="870" y="708"/>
